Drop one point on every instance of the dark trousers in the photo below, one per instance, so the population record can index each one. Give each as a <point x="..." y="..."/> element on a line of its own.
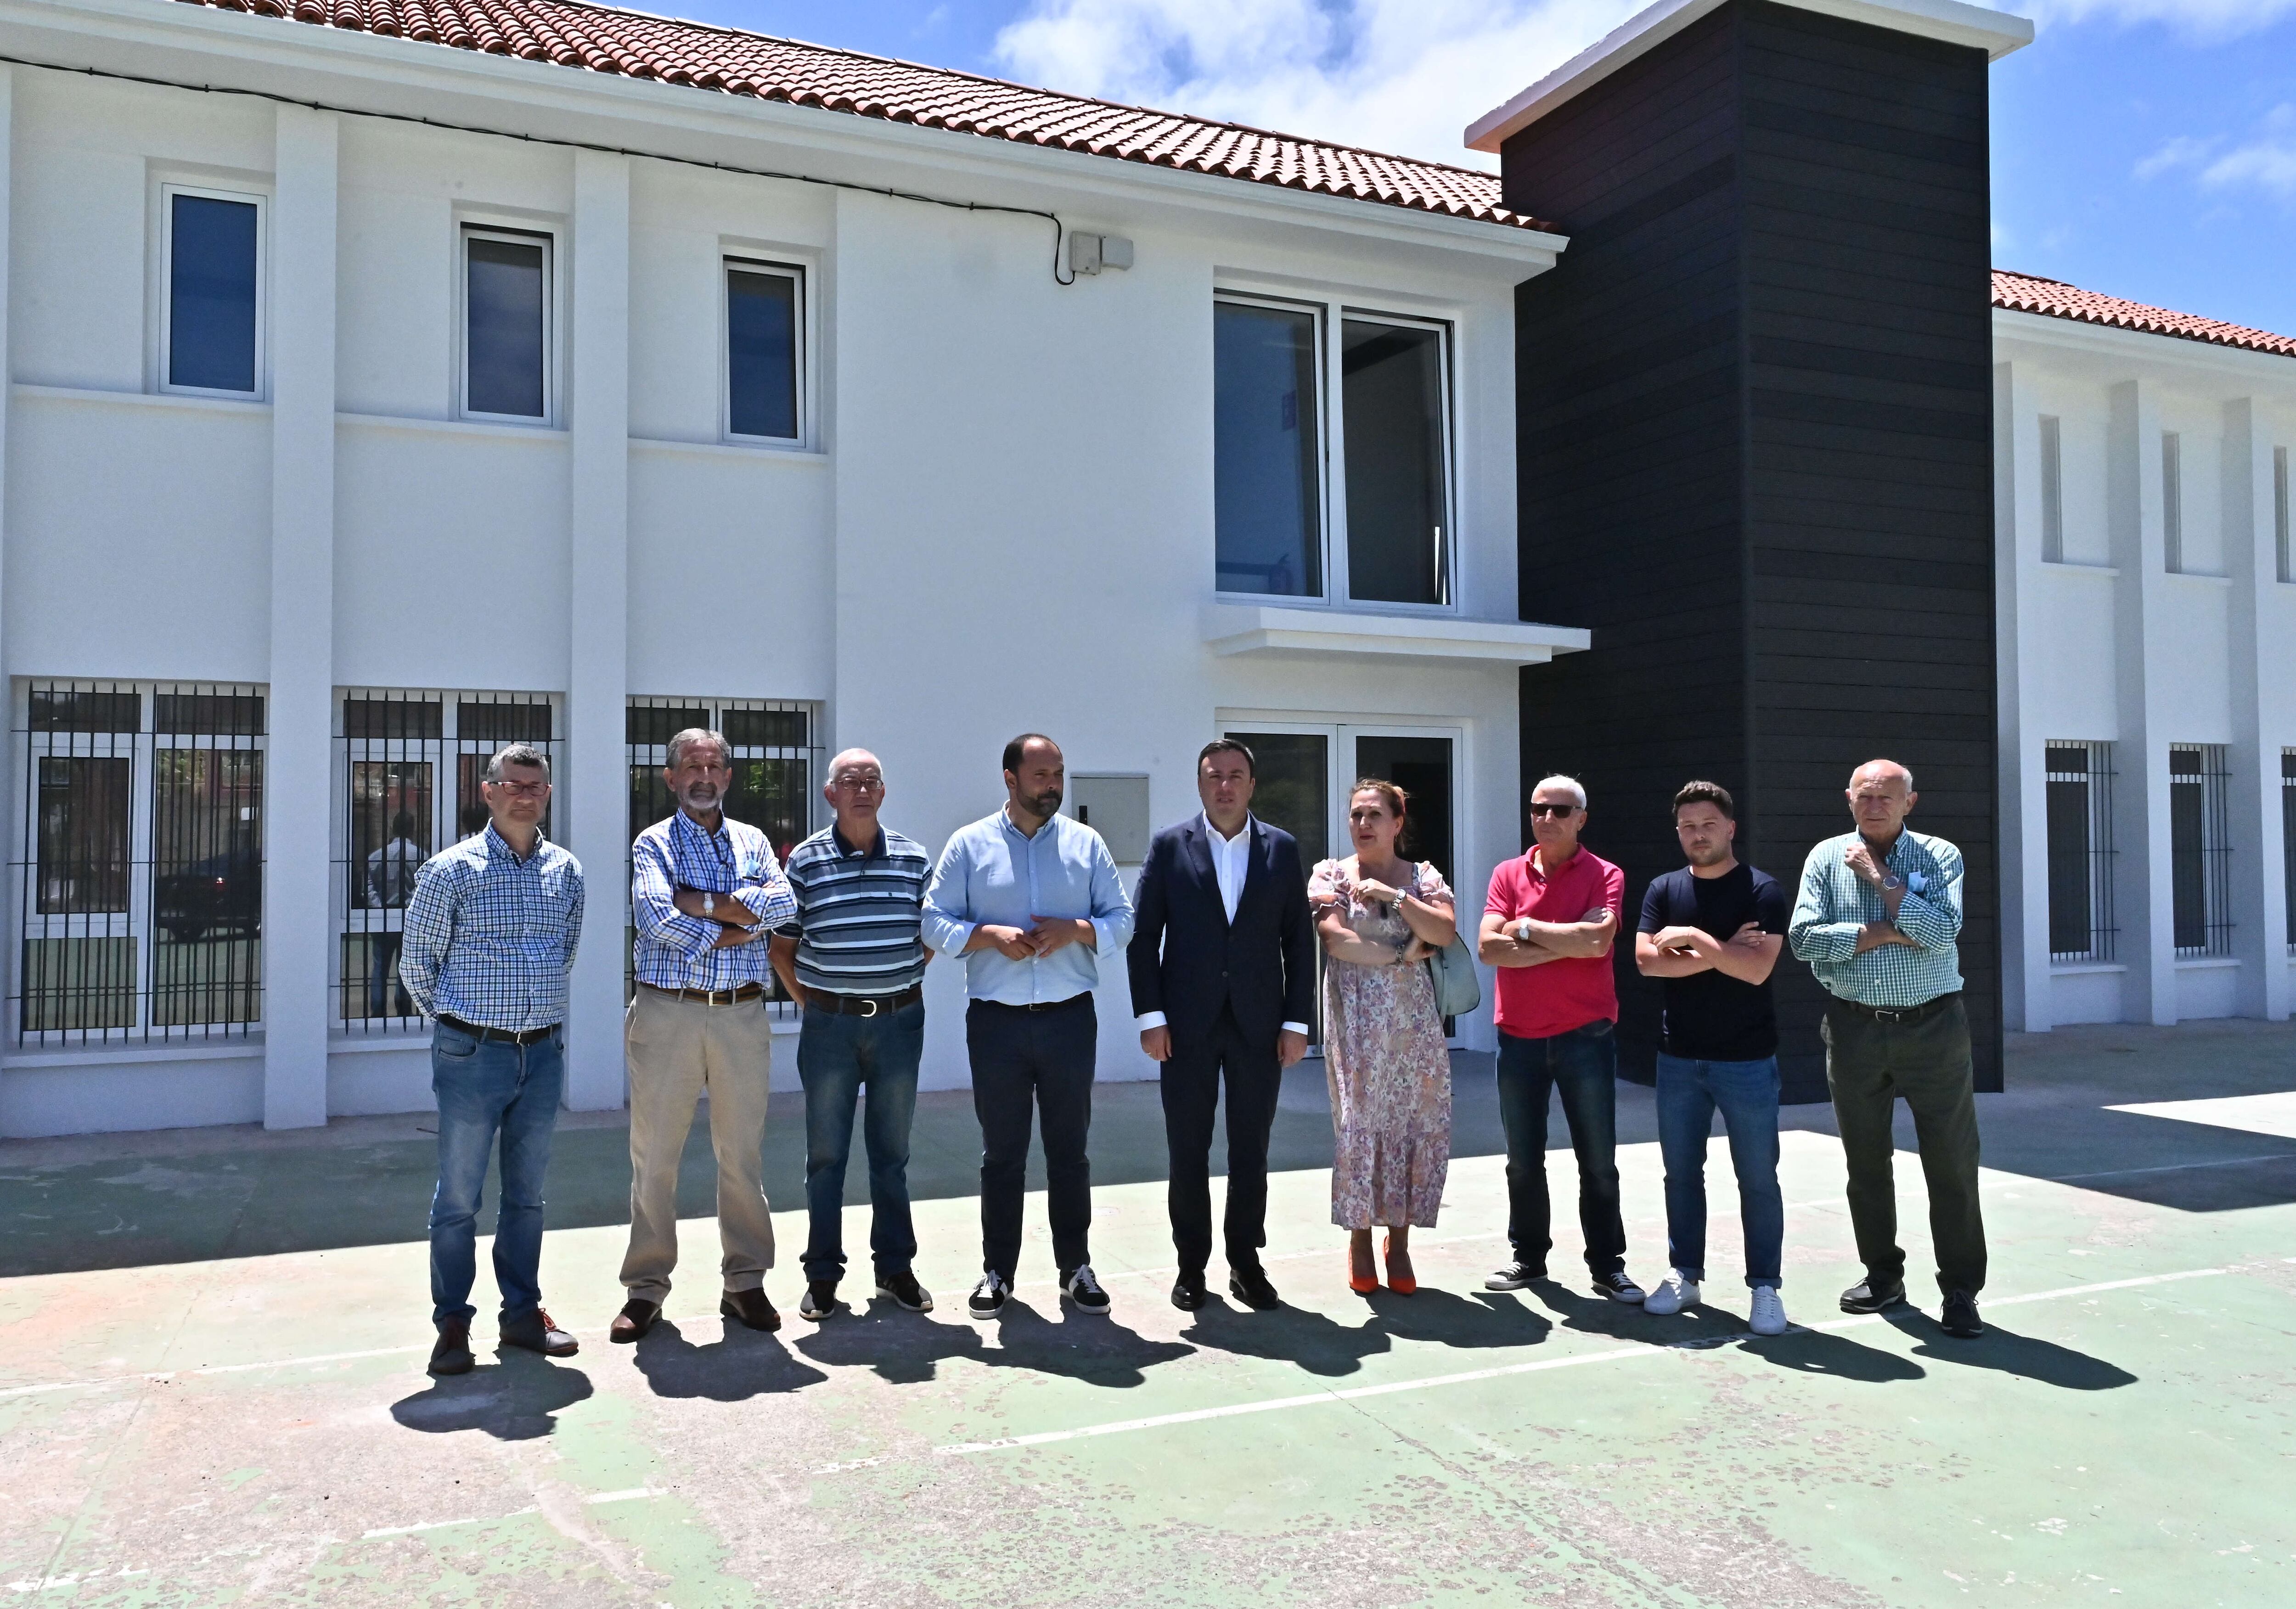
<point x="836" y="1055"/>
<point x="488" y="1089"/>
<point x="1045" y="1057"/>
<point x="1869" y="1063"/>
<point x="1584" y="1065"/>
<point x="1191" y="1083"/>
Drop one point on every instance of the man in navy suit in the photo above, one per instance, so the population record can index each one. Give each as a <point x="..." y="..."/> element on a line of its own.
<point x="1223" y="967"/>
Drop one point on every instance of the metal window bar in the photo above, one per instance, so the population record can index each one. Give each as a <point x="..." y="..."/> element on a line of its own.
<point x="139" y="872"/>
<point x="2288" y="839"/>
<point x="408" y="764"/>
<point x="777" y="774"/>
<point x="2079" y="783"/>
<point x="2200" y="841"/>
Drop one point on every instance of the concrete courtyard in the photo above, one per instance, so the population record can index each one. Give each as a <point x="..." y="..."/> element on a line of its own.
<point x="211" y="1388"/>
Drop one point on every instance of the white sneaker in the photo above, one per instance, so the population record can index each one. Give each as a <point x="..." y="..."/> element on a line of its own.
<point x="1769" y="1317"/>
<point x="1675" y="1293"/>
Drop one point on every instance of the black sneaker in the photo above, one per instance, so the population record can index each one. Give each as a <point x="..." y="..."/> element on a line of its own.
<point x="1083" y="1288"/>
<point x="1515" y="1275"/>
<point x="452" y="1355"/>
<point x="1867" y="1297"/>
<point x="989" y="1296"/>
<point x="538" y="1332"/>
<point x="820" y="1299"/>
<point x="1960" y="1318"/>
<point x="903" y="1287"/>
<point x="1618" y="1287"/>
<point x="1188" y="1290"/>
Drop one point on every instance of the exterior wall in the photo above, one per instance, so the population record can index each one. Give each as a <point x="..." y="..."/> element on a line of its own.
<point x="1003" y="519"/>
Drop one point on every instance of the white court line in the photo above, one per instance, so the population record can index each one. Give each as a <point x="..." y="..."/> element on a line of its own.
<point x="632" y="1495"/>
<point x="1640" y="1349"/>
<point x="156" y="1376"/>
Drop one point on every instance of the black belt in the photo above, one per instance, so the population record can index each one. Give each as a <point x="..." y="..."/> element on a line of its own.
<point x="1900" y="1013"/>
<point x="712" y="997"/>
<point x="863" y="1005"/>
<point x="532" y="1036"/>
<point x="1085" y="998"/>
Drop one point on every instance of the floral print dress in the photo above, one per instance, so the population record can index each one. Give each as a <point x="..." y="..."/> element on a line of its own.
<point x="1389" y="1069"/>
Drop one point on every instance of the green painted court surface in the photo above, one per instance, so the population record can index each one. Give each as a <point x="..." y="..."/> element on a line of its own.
<point x="211" y="1390"/>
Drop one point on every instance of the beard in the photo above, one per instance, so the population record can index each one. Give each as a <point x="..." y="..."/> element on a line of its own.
<point x="1713" y="854"/>
<point x="1046" y="804"/>
<point x="701" y="796"/>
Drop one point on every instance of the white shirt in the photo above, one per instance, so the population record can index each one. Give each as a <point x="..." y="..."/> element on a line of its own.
<point x="1231" y="863"/>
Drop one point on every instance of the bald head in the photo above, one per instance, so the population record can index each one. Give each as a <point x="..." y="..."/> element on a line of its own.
<point x="856" y="791"/>
<point x="1877" y="769"/>
<point x="1881" y="795"/>
<point x="854" y="758"/>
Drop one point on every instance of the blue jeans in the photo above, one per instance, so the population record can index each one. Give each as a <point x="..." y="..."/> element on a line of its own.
<point x="836" y="1055"/>
<point x="1746" y="1092"/>
<point x="1584" y="1065"/>
<point x="486" y="1088"/>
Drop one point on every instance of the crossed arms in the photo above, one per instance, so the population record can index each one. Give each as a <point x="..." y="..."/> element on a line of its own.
<point x="1748" y="955"/>
<point x="1527" y="941"/>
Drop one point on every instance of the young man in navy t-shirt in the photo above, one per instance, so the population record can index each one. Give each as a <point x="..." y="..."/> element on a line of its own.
<point x="1712" y="932"/>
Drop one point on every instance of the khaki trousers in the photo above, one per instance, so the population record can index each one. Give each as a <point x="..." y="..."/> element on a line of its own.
<point x="679" y="1050"/>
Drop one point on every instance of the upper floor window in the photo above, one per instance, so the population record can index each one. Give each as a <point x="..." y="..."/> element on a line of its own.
<point x="506" y="304"/>
<point x="2172" y="499"/>
<point x="765" y="359"/>
<point x="1315" y="437"/>
<point x="210" y="314"/>
<point x="2280" y="537"/>
<point x="2052" y="490"/>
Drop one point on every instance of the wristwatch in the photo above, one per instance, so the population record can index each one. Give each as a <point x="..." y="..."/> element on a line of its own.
<point x="1892" y="883"/>
<point x="1521" y="932"/>
<point x="708" y="903"/>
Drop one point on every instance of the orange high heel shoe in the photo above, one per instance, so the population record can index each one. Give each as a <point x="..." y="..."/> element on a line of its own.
<point x="1356" y="1281"/>
<point x="1403" y="1286"/>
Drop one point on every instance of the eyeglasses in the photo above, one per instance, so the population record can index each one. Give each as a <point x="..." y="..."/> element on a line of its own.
<point x="859" y="784"/>
<point x="1553" y="810"/>
<point x="522" y="790"/>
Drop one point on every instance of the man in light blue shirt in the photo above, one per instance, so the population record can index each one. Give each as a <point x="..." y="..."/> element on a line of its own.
<point x="1030" y="898"/>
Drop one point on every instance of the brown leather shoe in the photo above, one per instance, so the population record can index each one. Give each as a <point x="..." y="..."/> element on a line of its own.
<point x="452" y="1355"/>
<point x="537" y="1331"/>
<point x="752" y="1307"/>
<point x="636" y="1319"/>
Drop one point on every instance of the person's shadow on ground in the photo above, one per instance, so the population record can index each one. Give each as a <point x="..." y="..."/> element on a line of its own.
<point x="516" y="1399"/>
<point x="742" y="1364"/>
<point x="1836" y="1357"/>
<point x="1299" y="1336"/>
<point x="1699" y="1325"/>
<point x="2006" y="1350"/>
<point x="1079" y="1346"/>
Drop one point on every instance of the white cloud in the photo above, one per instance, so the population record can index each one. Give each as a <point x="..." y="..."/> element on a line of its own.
<point x="2264" y="161"/>
<point x="1404" y="76"/>
<point x="2209" y="21"/>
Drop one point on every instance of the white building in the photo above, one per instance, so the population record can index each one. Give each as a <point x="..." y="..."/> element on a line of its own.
<point x="383" y="390"/>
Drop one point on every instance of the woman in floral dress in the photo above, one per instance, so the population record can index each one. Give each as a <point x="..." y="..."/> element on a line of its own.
<point x="1380" y="916"/>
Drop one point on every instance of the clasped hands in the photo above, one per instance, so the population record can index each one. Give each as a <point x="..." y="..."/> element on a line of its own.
<point x="1034" y="943"/>
<point x="1291" y="1046"/>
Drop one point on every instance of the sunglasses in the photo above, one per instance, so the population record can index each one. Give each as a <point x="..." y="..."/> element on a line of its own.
<point x="1553" y="810"/>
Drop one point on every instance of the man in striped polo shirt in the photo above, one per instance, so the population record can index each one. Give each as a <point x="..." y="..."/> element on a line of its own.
<point x="851" y="959"/>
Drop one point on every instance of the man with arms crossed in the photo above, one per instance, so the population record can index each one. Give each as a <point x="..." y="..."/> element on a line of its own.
<point x="1712" y="932"/>
<point x="1548" y="924"/>
<point x="1222" y="971"/>
<point x="1879" y="921"/>
<point x="704" y="890"/>
<point x="851" y="959"/>
<point x="489" y="938"/>
<point x="1031" y="900"/>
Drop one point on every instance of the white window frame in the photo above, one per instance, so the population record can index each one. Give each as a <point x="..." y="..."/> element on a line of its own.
<point x="729" y="261"/>
<point x="165" y="289"/>
<point x="1332" y="314"/>
<point x="466" y="230"/>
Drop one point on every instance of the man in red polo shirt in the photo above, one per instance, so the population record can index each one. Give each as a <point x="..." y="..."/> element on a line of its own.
<point x="1548" y="925"/>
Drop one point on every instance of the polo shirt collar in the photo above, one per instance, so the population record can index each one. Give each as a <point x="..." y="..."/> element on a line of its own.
<point x="876" y="850"/>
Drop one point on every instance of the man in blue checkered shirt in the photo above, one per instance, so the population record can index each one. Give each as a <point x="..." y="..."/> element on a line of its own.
<point x="490" y="939"/>
<point x="1879" y="921"/>
<point x="705" y="892"/>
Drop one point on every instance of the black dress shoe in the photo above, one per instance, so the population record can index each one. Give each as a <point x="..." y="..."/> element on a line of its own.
<point x="752" y="1307"/>
<point x="1251" y="1288"/>
<point x="1188" y="1290"/>
<point x="537" y="1331"/>
<point x="636" y="1319"/>
<point x="452" y="1355"/>
<point x="1866" y="1297"/>
<point x="1960" y="1318"/>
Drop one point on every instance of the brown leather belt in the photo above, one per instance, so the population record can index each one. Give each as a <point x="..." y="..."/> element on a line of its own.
<point x="532" y="1036"/>
<point x="1900" y="1013"/>
<point x="863" y="1005"/>
<point x="712" y="997"/>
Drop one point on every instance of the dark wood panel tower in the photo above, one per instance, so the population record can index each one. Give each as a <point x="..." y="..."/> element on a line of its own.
<point x="1755" y="457"/>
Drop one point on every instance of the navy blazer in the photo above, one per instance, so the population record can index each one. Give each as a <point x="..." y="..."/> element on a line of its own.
<point x="1186" y="960"/>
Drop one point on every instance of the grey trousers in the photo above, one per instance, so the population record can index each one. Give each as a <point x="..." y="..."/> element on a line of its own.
<point x="1869" y="1065"/>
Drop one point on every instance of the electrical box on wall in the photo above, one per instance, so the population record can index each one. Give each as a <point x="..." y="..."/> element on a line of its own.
<point x="1090" y="253"/>
<point x="1116" y="806"/>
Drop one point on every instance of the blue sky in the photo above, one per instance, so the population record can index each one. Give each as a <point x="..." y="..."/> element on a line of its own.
<point x="2144" y="148"/>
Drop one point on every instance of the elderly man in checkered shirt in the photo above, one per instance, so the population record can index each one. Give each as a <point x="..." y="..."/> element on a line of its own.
<point x="705" y="893"/>
<point x="490" y="939"/>
<point x="1879" y="921"/>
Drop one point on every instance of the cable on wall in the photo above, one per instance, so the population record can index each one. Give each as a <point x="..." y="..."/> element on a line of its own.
<point x="1060" y="229"/>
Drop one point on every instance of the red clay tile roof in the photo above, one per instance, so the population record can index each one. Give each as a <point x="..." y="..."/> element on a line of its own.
<point x="2027" y="293"/>
<point x="635" y="45"/>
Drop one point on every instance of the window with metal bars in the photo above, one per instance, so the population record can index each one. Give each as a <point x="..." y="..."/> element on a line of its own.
<point x="140" y="865"/>
<point x="2288" y="839"/>
<point x="2200" y="849"/>
<point x="2080" y="798"/>
<point x="408" y="766"/>
<point x="776" y="786"/>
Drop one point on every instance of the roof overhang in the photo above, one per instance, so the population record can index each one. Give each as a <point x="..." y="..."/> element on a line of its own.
<point x="1996" y="33"/>
<point x="1230" y="629"/>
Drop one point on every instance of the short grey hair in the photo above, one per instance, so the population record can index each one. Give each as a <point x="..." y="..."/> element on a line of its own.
<point x="517" y="755"/>
<point x="1904" y="771"/>
<point x="692" y="736"/>
<point x="1569" y="784"/>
